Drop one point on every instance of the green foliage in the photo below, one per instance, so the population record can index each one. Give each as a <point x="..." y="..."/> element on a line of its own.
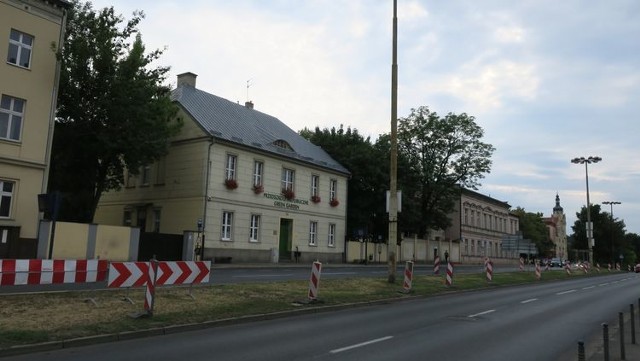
<point x="369" y="176"/>
<point x="608" y="233"/>
<point x="533" y="228"/>
<point x="440" y="154"/>
<point x="113" y="111"/>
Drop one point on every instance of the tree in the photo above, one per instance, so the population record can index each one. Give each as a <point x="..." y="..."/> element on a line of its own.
<point x="533" y="228"/>
<point x="368" y="181"/>
<point x="445" y="153"/>
<point x="113" y="111"/>
<point x="603" y="226"/>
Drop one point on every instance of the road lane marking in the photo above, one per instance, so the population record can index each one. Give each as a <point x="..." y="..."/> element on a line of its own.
<point x="603" y="284"/>
<point x="366" y="343"/>
<point x="588" y="287"/>
<point x="481" y="313"/>
<point x="529" y="300"/>
<point x="565" y="292"/>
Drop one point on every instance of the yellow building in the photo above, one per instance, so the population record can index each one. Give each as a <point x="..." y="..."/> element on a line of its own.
<point x="30" y="32"/>
<point x="240" y="179"/>
<point x="557" y="227"/>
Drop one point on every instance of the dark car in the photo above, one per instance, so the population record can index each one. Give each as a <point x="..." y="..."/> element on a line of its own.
<point x="555" y="262"/>
<point x="637" y="268"/>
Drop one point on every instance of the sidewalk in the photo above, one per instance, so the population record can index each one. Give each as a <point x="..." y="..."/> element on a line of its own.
<point x="595" y="350"/>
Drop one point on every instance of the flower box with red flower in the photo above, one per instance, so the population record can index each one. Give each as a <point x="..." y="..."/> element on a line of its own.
<point x="315" y="199"/>
<point x="334" y="202"/>
<point x="288" y="193"/>
<point x="230" y="183"/>
<point x="258" y="188"/>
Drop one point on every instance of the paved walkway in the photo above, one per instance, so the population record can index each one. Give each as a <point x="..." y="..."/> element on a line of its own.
<point x="594" y="349"/>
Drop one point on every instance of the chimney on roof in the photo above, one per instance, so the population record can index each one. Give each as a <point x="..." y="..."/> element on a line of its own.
<point x="248" y="104"/>
<point x="187" y="79"/>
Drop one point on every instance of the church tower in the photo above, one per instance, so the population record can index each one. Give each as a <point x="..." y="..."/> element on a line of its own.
<point x="557" y="225"/>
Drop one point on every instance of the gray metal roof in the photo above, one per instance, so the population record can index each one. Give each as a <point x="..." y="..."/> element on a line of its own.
<point x="238" y="124"/>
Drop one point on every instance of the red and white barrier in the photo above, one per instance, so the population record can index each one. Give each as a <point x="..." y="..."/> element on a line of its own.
<point x="449" y="279"/>
<point x="45" y="271"/>
<point x="538" y="273"/>
<point x="314" y="281"/>
<point x="521" y="264"/>
<point x="135" y="274"/>
<point x="488" y="265"/>
<point x="567" y="268"/>
<point x="598" y="267"/>
<point x="149" y="295"/>
<point x="608" y="267"/>
<point x="436" y="265"/>
<point x="408" y="276"/>
<point x="128" y="274"/>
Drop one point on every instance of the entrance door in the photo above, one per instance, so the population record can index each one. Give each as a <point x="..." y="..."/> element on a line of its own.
<point x="286" y="232"/>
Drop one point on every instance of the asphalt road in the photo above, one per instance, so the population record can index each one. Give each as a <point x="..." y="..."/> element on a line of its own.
<point x="533" y="322"/>
<point x="231" y="274"/>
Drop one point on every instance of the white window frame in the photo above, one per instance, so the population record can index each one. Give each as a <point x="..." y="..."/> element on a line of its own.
<point x="226" y="226"/>
<point x="21" y="46"/>
<point x="254" y="228"/>
<point x="331" y="239"/>
<point x="6" y="197"/>
<point x="231" y="166"/>
<point x="315" y="185"/>
<point x="313" y="233"/>
<point x="15" y="118"/>
<point x="146" y="175"/>
<point x="333" y="189"/>
<point x="288" y="179"/>
<point x="157" y="216"/>
<point x="258" y="172"/>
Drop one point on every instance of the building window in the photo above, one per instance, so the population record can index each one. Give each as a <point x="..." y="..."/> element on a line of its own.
<point x="288" y="179"/>
<point x="466" y="216"/>
<point x="313" y="233"/>
<point x="6" y="196"/>
<point x="156" y="220"/>
<point x="332" y="234"/>
<point x="333" y="189"/>
<point x="146" y="175"/>
<point x="11" y="114"/>
<point x="130" y="180"/>
<point x="126" y="219"/>
<point x="20" y="45"/>
<point x="227" y="224"/>
<point x="254" y="228"/>
<point x="473" y="217"/>
<point x="315" y="185"/>
<point x="258" y="169"/>
<point x="230" y="169"/>
<point x="161" y="170"/>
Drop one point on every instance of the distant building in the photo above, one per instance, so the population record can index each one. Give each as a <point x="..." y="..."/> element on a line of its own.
<point x="479" y="224"/>
<point x="241" y="180"/>
<point x="28" y="91"/>
<point x="557" y="226"/>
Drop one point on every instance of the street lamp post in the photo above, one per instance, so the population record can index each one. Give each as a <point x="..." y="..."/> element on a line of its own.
<point x="589" y="227"/>
<point x="611" y="203"/>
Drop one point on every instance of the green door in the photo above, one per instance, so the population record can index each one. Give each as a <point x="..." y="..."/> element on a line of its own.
<point x="286" y="228"/>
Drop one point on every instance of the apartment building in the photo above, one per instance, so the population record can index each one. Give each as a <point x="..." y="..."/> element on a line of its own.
<point x="30" y="33"/>
<point x="246" y="186"/>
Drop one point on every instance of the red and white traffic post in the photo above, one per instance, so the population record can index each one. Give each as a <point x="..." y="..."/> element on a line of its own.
<point x="521" y="264"/>
<point x="436" y="265"/>
<point x="538" y="273"/>
<point x="488" y="265"/>
<point x="449" y="279"/>
<point x="408" y="277"/>
<point x="314" y="281"/>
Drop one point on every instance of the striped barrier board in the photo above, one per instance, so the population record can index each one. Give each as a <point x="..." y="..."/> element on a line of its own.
<point x="135" y="274"/>
<point x="436" y="265"/>
<point x="314" y="280"/>
<point x="489" y="269"/>
<point x="408" y="276"/>
<point x="45" y="271"/>
<point x="449" y="278"/>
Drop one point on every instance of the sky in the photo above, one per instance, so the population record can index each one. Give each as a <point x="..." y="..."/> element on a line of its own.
<point x="547" y="80"/>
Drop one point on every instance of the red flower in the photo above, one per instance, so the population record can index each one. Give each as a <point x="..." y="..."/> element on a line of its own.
<point x="230" y="183"/>
<point x="258" y="188"/>
<point x="334" y="202"/>
<point x="288" y="193"/>
<point x="315" y="199"/>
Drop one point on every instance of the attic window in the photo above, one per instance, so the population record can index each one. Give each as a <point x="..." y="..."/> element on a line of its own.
<point x="282" y="144"/>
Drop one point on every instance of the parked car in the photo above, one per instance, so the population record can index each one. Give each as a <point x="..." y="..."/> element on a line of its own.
<point x="555" y="262"/>
<point x="637" y="268"/>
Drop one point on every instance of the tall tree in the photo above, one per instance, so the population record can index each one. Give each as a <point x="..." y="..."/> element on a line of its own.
<point x="603" y="230"/>
<point x="114" y="113"/>
<point x="533" y="228"/>
<point x="446" y="153"/>
<point x="369" y="177"/>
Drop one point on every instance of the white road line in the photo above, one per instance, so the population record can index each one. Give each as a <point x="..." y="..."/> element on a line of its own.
<point x="603" y="284"/>
<point x="565" y="292"/>
<point x="588" y="287"/>
<point x="481" y="313"/>
<point x="529" y="300"/>
<point x="361" y="344"/>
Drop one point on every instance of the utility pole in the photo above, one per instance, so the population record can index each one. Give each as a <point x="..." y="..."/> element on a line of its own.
<point x="393" y="169"/>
